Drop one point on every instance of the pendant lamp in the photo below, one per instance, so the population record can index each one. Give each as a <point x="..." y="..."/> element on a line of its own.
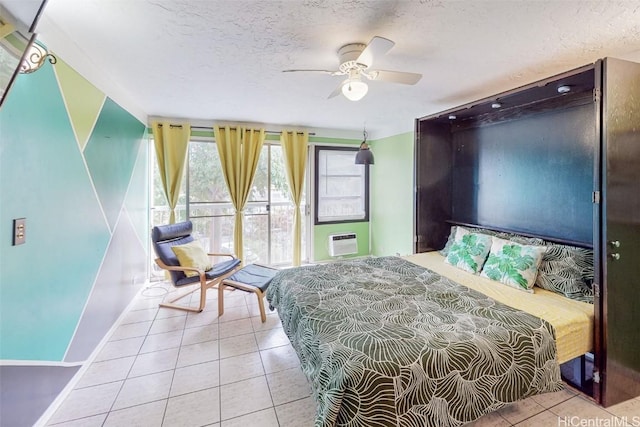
<point x="364" y="155"/>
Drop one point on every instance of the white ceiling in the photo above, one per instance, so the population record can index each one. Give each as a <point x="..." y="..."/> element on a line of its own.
<point x="223" y="60"/>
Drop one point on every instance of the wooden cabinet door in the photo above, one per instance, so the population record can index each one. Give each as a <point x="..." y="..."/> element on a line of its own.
<point x="619" y="240"/>
<point x="432" y="198"/>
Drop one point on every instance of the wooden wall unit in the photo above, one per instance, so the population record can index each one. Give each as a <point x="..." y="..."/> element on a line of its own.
<point x="619" y="233"/>
<point x="560" y="165"/>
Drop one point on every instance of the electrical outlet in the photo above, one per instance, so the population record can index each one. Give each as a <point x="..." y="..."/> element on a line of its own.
<point x="19" y="231"/>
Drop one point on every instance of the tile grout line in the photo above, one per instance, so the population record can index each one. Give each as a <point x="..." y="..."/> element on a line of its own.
<point x="130" y="368"/>
<point x="544" y="409"/>
<point x="255" y="329"/>
<point x="95" y="385"/>
<point x="264" y="369"/>
<point x="173" y="374"/>
<point x="138" y="354"/>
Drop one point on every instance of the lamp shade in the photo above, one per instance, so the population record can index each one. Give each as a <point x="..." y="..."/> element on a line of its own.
<point x="364" y="156"/>
<point x="354" y="89"/>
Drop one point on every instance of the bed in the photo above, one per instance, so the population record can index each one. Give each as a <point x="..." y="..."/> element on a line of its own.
<point x="572" y="320"/>
<point x="387" y="341"/>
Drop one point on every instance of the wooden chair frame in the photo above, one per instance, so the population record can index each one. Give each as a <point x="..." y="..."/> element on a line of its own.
<point x="205" y="284"/>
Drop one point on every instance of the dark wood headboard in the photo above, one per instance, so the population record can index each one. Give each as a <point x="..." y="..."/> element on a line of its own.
<point x="527" y="167"/>
<point x="545" y="238"/>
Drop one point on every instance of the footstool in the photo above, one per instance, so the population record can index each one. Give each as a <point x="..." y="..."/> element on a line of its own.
<point x="252" y="278"/>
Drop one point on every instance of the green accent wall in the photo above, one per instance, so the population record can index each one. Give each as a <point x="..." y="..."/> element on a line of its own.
<point x="321" y="238"/>
<point x="391" y="193"/>
<point x="321" y="232"/>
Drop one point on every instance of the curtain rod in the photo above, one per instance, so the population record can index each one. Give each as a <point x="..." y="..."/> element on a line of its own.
<point x="211" y="128"/>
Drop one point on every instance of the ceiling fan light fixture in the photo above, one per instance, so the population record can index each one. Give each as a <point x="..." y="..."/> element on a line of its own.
<point x="354" y="89"/>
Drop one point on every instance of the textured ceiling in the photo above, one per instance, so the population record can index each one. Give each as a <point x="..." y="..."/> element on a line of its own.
<point x="222" y="60"/>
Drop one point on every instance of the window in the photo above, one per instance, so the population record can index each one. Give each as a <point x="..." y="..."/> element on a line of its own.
<point x="205" y="200"/>
<point x="342" y="187"/>
<point x="209" y="208"/>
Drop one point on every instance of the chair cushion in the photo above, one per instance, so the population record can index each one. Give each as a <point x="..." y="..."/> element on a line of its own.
<point x="163" y="233"/>
<point x="192" y="254"/>
<point x="253" y="275"/>
<point x="164" y="237"/>
<point x="218" y="270"/>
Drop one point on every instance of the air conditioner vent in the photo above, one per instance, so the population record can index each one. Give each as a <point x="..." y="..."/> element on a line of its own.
<point x="343" y="244"/>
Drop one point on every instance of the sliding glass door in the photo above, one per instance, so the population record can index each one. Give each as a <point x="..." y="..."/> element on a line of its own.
<point x="268" y="214"/>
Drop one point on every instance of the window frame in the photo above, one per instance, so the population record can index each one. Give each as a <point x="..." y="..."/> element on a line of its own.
<point x="316" y="182"/>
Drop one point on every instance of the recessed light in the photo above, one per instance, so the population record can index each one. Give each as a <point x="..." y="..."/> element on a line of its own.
<point x="452" y="117"/>
<point x="496" y="105"/>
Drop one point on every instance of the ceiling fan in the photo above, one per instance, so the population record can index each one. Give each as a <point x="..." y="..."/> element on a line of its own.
<point x="355" y="60"/>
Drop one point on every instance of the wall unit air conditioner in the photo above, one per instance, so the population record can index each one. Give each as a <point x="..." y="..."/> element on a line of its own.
<point x="343" y="244"/>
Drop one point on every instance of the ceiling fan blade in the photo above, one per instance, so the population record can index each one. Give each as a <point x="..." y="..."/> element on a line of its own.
<point x="394" y="76"/>
<point x="333" y="73"/>
<point x="377" y="47"/>
<point x="337" y="91"/>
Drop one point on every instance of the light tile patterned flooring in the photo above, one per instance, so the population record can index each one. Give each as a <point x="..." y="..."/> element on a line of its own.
<point x="163" y="367"/>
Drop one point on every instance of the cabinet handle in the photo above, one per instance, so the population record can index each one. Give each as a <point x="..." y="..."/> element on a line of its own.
<point x="615" y="256"/>
<point x="615" y="243"/>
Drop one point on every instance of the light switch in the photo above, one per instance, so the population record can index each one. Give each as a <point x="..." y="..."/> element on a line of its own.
<point x="19" y="231"/>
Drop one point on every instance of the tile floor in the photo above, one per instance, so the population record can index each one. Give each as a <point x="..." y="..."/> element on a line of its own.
<point x="163" y="367"/>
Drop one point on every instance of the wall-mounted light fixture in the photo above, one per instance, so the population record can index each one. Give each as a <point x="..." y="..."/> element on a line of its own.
<point x="364" y="155"/>
<point x="564" y="89"/>
<point x="35" y="57"/>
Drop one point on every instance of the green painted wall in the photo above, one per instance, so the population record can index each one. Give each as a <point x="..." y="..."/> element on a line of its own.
<point x="392" y="195"/>
<point x="321" y="238"/>
<point x="321" y="232"/>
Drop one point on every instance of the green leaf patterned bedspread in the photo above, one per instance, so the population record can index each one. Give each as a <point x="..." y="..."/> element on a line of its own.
<point x="385" y="342"/>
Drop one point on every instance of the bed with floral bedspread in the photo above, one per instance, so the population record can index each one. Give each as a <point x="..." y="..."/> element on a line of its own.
<point x="385" y="342"/>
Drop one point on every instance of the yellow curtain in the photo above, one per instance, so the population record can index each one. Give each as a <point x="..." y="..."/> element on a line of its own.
<point x="171" y="142"/>
<point x="239" y="150"/>
<point x="294" y="148"/>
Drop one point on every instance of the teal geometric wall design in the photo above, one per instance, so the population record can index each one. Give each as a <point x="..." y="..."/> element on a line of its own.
<point x="44" y="283"/>
<point x="87" y="230"/>
<point x="71" y="200"/>
<point x="137" y="200"/>
<point x="111" y="154"/>
<point x="119" y="280"/>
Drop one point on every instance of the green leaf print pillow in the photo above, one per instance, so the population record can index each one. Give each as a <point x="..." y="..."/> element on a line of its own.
<point x="469" y="250"/>
<point x="513" y="264"/>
